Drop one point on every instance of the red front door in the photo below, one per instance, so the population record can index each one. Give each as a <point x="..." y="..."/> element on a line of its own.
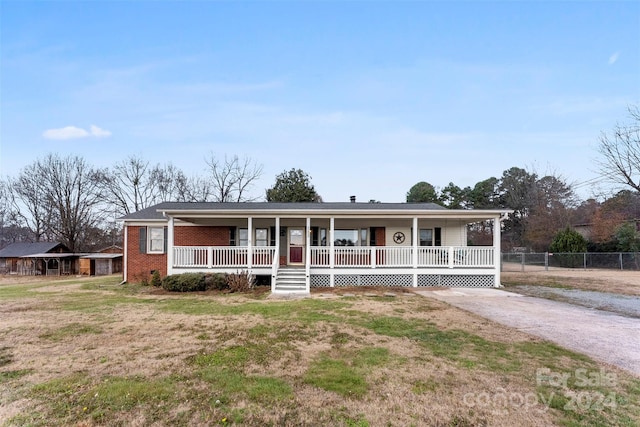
<point x="296" y="246"/>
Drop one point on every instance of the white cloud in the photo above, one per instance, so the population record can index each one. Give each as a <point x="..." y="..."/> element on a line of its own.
<point x="98" y="132"/>
<point x="613" y="58"/>
<point x="73" y="132"/>
<point x="68" y="132"/>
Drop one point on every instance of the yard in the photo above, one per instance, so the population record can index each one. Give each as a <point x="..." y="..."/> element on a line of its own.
<point x="92" y="352"/>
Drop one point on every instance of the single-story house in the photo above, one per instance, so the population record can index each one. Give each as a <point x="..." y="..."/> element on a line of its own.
<point x="304" y="245"/>
<point x="38" y="258"/>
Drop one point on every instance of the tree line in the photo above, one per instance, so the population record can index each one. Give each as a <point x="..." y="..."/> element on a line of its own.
<point x="66" y="199"/>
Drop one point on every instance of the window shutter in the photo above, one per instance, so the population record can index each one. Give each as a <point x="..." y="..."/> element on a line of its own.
<point x="143" y="240"/>
<point x="165" y="238"/>
<point x="272" y="241"/>
<point x="315" y="231"/>
<point x="232" y="236"/>
<point x="437" y="236"/>
<point x="372" y="236"/>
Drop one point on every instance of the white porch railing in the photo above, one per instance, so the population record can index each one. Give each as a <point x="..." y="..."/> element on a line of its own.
<point x="222" y="256"/>
<point x="394" y="257"/>
<point x="344" y="256"/>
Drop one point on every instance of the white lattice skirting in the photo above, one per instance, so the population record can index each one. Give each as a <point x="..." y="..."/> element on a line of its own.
<point x="444" y="280"/>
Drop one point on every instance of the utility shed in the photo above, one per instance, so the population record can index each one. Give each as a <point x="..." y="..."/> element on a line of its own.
<point x="100" y="264"/>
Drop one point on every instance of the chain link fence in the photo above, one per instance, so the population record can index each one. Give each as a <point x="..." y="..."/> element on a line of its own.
<point x="516" y="261"/>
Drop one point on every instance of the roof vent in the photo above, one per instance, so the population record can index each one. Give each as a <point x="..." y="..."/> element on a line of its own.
<point x="353" y="199"/>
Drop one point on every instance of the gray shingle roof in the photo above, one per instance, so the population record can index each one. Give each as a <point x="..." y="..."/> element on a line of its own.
<point x="16" y="250"/>
<point x="152" y="212"/>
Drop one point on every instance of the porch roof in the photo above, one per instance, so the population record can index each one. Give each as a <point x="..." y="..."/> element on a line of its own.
<point x="190" y="211"/>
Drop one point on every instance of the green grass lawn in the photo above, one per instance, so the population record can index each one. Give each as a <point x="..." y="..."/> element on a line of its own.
<point x="92" y="352"/>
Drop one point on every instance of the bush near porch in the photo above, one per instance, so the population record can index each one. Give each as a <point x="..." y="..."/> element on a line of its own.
<point x="195" y="282"/>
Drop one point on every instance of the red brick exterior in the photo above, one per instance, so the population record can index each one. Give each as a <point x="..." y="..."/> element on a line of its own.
<point x="140" y="265"/>
<point x="201" y="236"/>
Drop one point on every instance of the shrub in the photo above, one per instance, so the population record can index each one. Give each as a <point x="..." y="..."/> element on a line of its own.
<point x="141" y="279"/>
<point x="569" y="243"/>
<point x="155" y="279"/>
<point x="568" y="240"/>
<point x="628" y="237"/>
<point x="216" y="281"/>
<point x="186" y="282"/>
<point x="240" y="282"/>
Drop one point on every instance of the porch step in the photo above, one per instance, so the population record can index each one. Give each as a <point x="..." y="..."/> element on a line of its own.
<point x="291" y="280"/>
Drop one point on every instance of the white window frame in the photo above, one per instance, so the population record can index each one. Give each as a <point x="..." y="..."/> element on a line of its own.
<point x="151" y="240"/>
<point x="431" y="243"/>
<point x="262" y="242"/>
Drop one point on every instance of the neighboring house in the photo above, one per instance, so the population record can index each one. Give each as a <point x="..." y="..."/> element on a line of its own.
<point x="39" y="258"/>
<point x="304" y="245"/>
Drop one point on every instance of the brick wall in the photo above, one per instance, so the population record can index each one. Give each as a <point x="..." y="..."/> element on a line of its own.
<point x="201" y="236"/>
<point x="140" y="265"/>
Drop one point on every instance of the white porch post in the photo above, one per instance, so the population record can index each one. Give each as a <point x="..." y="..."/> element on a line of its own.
<point x="307" y="261"/>
<point x="414" y="261"/>
<point x="170" y="246"/>
<point x="277" y="239"/>
<point x="332" y="251"/>
<point x="249" y="243"/>
<point x="276" y="255"/>
<point x="497" y="256"/>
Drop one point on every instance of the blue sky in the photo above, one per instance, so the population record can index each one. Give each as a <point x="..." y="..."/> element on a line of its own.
<point x="368" y="98"/>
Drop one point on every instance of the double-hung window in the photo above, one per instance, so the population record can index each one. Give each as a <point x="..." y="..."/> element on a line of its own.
<point x="152" y="240"/>
<point x="261" y="237"/>
<point x="156" y="240"/>
<point x="426" y="237"/>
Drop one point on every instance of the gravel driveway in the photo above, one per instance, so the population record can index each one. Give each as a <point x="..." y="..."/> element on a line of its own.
<point x="604" y="336"/>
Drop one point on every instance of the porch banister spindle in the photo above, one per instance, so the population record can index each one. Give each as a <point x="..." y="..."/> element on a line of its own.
<point x="450" y="256"/>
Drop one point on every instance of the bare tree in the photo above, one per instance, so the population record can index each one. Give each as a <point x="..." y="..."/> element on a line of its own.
<point x="232" y="178"/>
<point x="167" y="183"/>
<point x="194" y="189"/>
<point x="127" y="185"/>
<point x="133" y="184"/>
<point x="74" y="195"/>
<point x="29" y="202"/>
<point x="620" y="152"/>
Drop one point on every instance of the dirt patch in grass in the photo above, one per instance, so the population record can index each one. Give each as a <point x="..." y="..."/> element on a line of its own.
<point x="614" y="281"/>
